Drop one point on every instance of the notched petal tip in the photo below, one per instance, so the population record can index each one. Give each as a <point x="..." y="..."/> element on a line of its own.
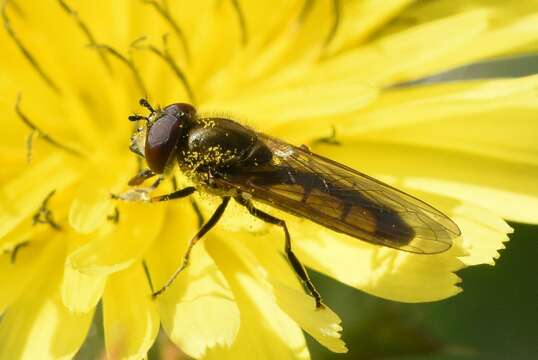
<point x="321" y="323"/>
<point x="484" y="234"/>
<point x="81" y="292"/>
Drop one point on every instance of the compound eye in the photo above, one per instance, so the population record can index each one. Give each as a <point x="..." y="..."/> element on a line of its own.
<point x="180" y="109"/>
<point x="161" y="140"/>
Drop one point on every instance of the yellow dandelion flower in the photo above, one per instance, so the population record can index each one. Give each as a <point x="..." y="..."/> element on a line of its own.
<point x="73" y="71"/>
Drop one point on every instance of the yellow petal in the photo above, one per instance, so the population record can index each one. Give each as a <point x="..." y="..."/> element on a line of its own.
<point x="509" y="26"/>
<point x="92" y="203"/>
<point x="117" y="246"/>
<point x="459" y="111"/>
<point x="511" y="203"/>
<point x="271" y="108"/>
<point x="322" y="324"/>
<point x="496" y="41"/>
<point x="359" y="19"/>
<point x="416" y="57"/>
<point x="266" y="332"/>
<point x="86" y="216"/>
<point x="427" y="104"/>
<point x="24" y="194"/>
<point x="395" y="57"/>
<point x="484" y="232"/>
<point x="19" y="234"/>
<point x="81" y="292"/>
<point x="267" y="252"/>
<point x="506" y="188"/>
<point x="198" y="311"/>
<point x="130" y="316"/>
<point x="15" y="276"/>
<point x="384" y="272"/>
<point x="38" y="325"/>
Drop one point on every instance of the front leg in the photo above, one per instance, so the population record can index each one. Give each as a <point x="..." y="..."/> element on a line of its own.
<point x="142" y="176"/>
<point x="142" y="195"/>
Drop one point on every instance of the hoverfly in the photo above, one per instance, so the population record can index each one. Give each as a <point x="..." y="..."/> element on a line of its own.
<point x="230" y="160"/>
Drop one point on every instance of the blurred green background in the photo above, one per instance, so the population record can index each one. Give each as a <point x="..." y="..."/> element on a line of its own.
<point x="496" y="317"/>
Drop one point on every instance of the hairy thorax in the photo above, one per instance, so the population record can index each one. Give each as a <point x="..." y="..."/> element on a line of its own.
<point x="217" y="147"/>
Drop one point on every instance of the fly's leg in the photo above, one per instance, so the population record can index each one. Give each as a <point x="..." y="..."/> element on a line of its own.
<point x="194" y="204"/>
<point x="198" y="212"/>
<point x="292" y="258"/>
<point x="139" y="178"/>
<point x="174" y="195"/>
<point x="213" y="220"/>
<point x="139" y="194"/>
<point x="142" y="195"/>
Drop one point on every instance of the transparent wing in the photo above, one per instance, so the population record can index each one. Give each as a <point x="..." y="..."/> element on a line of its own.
<point x="344" y="200"/>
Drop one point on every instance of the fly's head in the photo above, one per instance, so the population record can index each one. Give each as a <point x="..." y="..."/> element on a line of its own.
<point x="158" y="138"/>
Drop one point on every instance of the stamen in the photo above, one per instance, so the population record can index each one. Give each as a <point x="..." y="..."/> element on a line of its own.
<point x="25" y="52"/>
<point x="16" y="7"/>
<point x="305" y="11"/>
<point x="86" y="30"/>
<point x="35" y="131"/>
<point x="115" y="218"/>
<point x="16" y="249"/>
<point x="29" y="145"/>
<point x="163" y="11"/>
<point x="337" y="15"/>
<point x="167" y="58"/>
<point x="242" y="21"/>
<point x="44" y="214"/>
<point x="128" y="62"/>
<point x="330" y="140"/>
<point x="148" y="275"/>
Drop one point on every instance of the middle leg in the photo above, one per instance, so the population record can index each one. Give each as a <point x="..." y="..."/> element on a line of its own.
<point x="292" y="258"/>
<point x="213" y="220"/>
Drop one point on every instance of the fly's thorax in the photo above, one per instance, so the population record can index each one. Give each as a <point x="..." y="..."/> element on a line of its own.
<point x="211" y="157"/>
<point x="215" y="142"/>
